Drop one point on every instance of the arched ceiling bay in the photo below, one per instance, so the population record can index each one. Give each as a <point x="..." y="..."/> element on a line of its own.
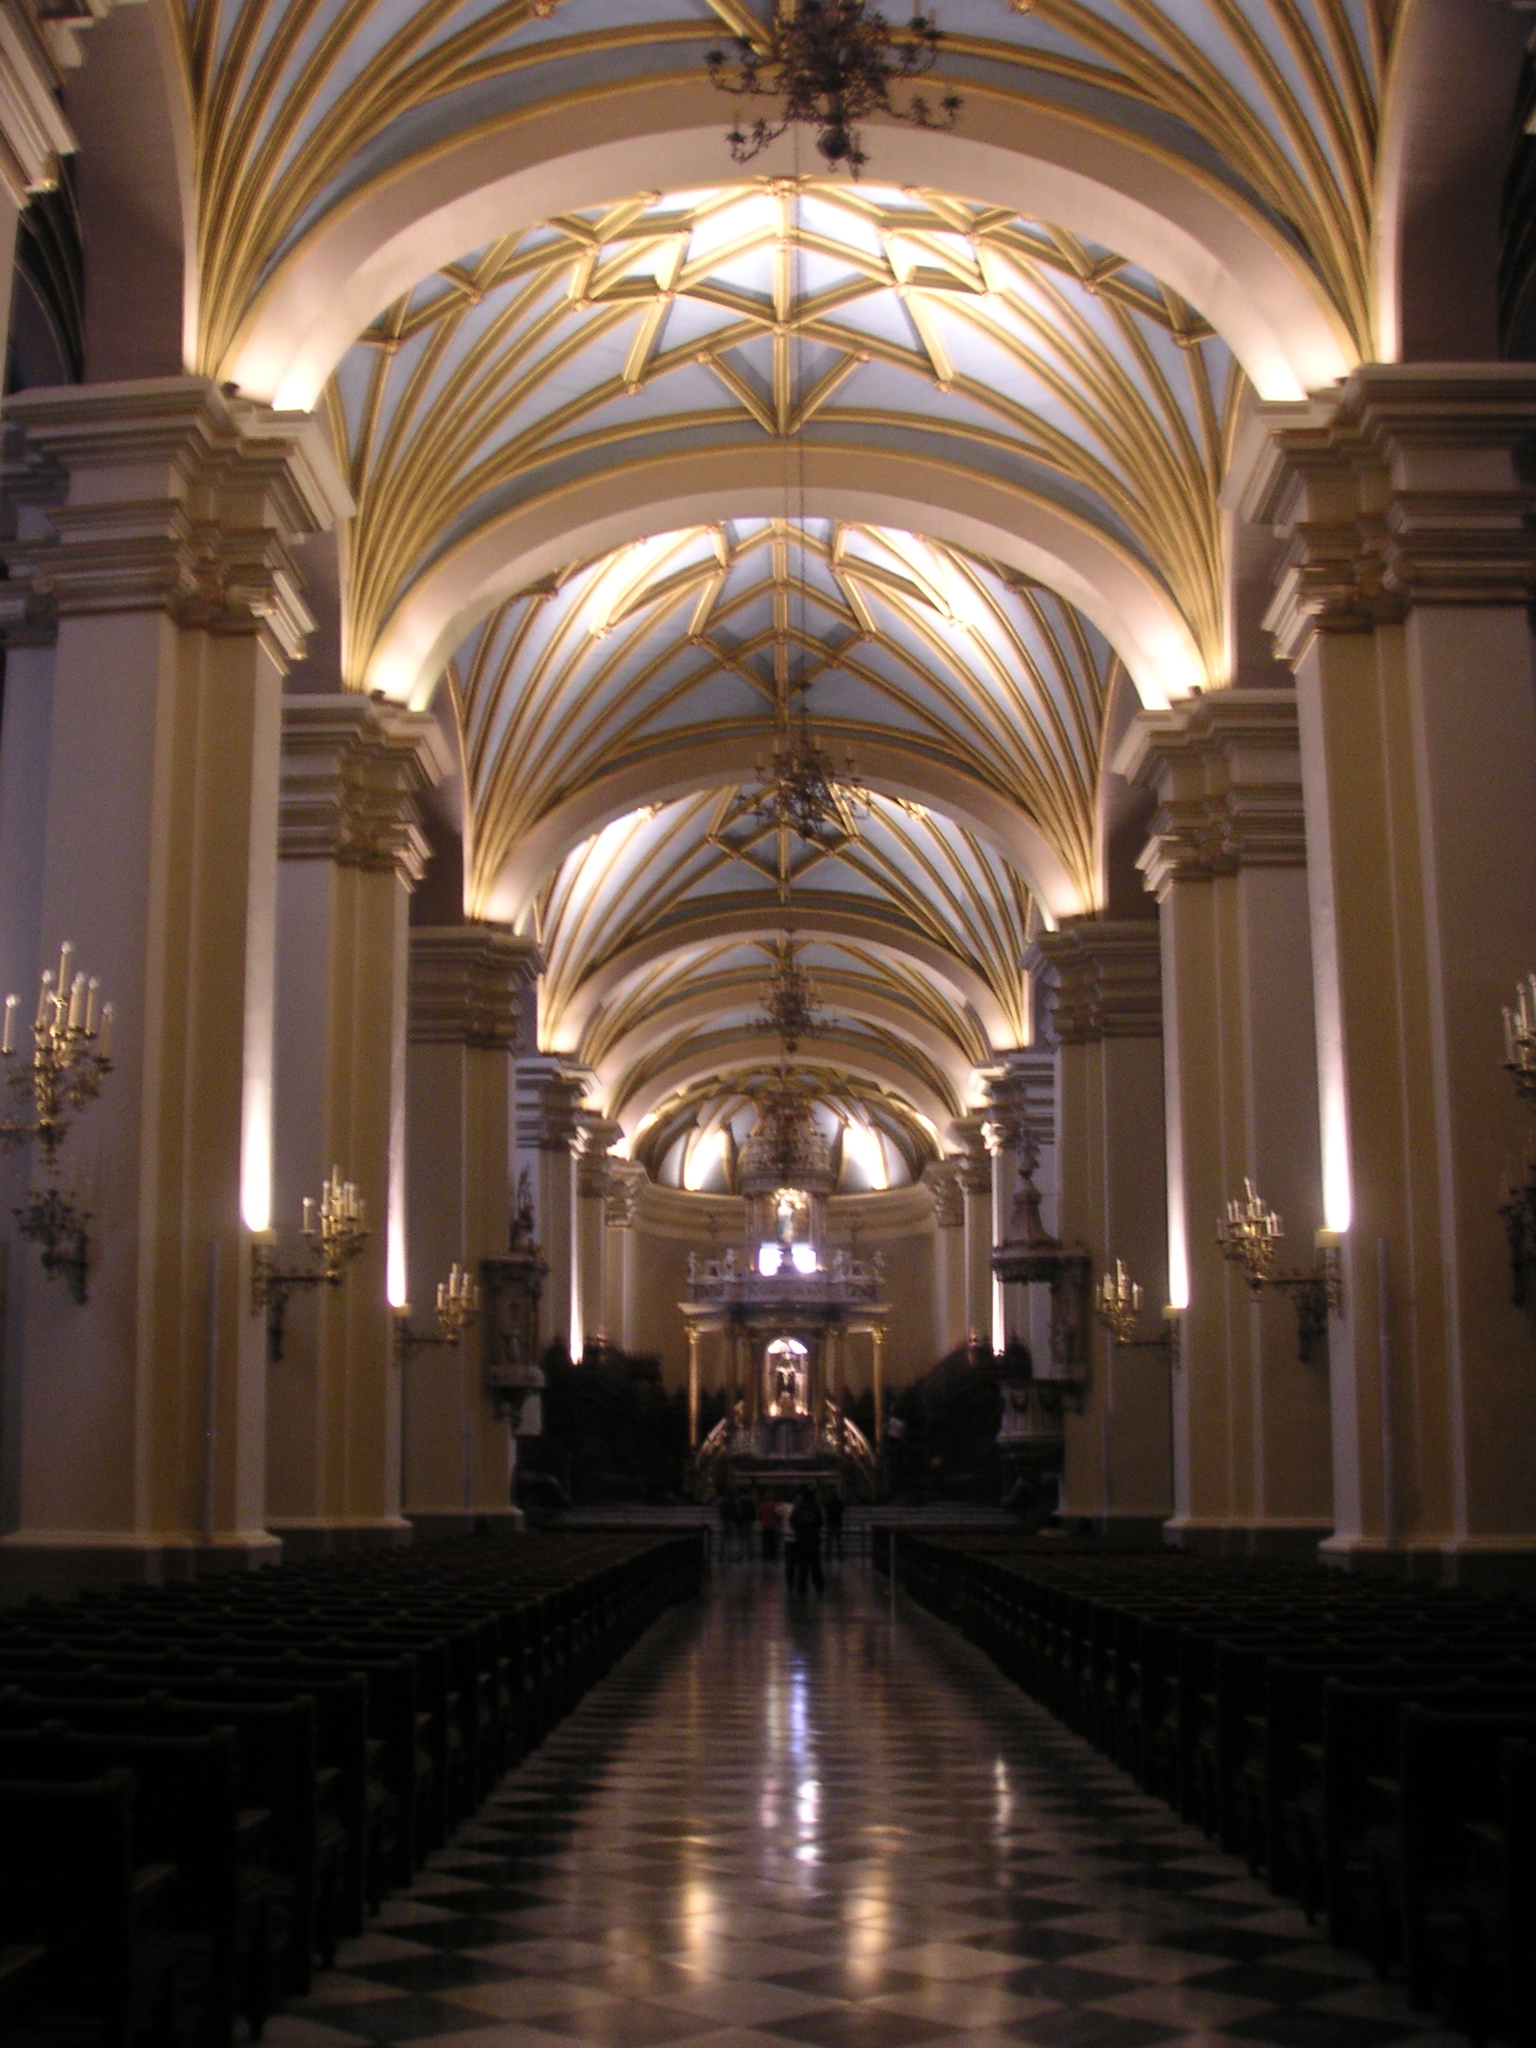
<point x="670" y="663"/>
<point x="658" y="935"/>
<point x="812" y="316"/>
<point x="301" y="112"/>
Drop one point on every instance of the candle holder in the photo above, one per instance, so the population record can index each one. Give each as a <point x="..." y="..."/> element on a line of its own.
<point x="1250" y="1235"/>
<point x="457" y="1310"/>
<point x="1117" y="1305"/>
<point x="334" y="1232"/>
<point x="71" y="1054"/>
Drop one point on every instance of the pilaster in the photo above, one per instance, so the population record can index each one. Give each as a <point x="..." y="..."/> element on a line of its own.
<point x="621" y="1208"/>
<point x="468" y="984"/>
<point x="1409" y="566"/>
<point x="1226" y="858"/>
<point x="595" y="1177"/>
<point x="351" y="849"/>
<point x="550" y="1092"/>
<point x="159" y="557"/>
<point x="1101" y="980"/>
<point x="942" y="1180"/>
<point x="970" y="1135"/>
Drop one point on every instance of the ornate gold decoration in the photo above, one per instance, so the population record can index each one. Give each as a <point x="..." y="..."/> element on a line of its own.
<point x="457" y="1310"/>
<point x="1117" y="1305"/>
<point x="832" y="64"/>
<point x="70" y="1057"/>
<point x="1250" y="1234"/>
<point x="334" y="1232"/>
<point x="789" y="999"/>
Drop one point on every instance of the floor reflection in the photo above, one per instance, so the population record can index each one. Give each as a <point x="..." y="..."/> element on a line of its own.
<point x="833" y="1824"/>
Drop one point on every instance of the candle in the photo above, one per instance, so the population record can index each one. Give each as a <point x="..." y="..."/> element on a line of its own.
<point x="308" y="1225"/>
<point x="106" y="1031"/>
<point x="45" y="987"/>
<point x="76" y="1001"/>
<point x="1509" y="1037"/>
<point x="92" y="989"/>
<point x="7" y="1041"/>
<point x="66" y="954"/>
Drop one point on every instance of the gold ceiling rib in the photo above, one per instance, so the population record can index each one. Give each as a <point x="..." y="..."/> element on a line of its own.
<point x="461" y="389"/>
<point x="287" y="95"/>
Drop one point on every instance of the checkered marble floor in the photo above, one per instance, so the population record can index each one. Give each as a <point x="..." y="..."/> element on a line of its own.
<point x="835" y="1825"/>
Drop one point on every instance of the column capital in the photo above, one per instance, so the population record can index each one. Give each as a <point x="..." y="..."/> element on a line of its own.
<point x="33" y="132"/>
<point x="1396" y="490"/>
<point x="1021" y="1097"/>
<point x="353" y="771"/>
<point x="597" y="1136"/>
<point x="550" y="1092"/>
<point x="975" y="1158"/>
<point x="1226" y="769"/>
<point x="626" y="1178"/>
<point x="466" y="984"/>
<point x="1104" y="977"/>
<point x="164" y="495"/>
<point x="941" y="1177"/>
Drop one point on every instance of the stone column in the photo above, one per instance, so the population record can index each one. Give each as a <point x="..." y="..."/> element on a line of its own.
<point x="1021" y="1111"/>
<point x="466" y="993"/>
<point x="595" y="1179"/>
<point x="165" y="561"/>
<point x="351" y="849"/>
<point x="942" y="1180"/>
<point x="1227" y="862"/>
<point x="1105" y="983"/>
<point x="549" y="1097"/>
<point x="969" y="1133"/>
<point x="1403" y="607"/>
<point x="621" y="1253"/>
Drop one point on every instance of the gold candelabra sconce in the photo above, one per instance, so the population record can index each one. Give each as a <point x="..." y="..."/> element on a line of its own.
<point x="1117" y="1305"/>
<point x="1518" y="1209"/>
<point x="334" y="1232"/>
<point x="70" y="1055"/>
<point x="457" y="1310"/>
<point x="1250" y="1235"/>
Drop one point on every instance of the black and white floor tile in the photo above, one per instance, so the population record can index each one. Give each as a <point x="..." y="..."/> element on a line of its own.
<point x="833" y="1825"/>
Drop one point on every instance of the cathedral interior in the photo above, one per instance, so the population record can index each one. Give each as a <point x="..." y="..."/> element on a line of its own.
<point x="800" y="762"/>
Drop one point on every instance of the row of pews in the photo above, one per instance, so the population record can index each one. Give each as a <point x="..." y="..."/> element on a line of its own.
<point x="1370" y="1746"/>
<point x="204" y="1786"/>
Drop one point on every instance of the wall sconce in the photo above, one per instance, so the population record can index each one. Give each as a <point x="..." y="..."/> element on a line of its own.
<point x="1250" y="1235"/>
<point x="71" y="1054"/>
<point x="457" y="1310"/>
<point x="1117" y="1305"/>
<point x="334" y="1233"/>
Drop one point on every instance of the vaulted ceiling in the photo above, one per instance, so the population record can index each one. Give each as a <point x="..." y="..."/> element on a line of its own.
<point x="652" y="458"/>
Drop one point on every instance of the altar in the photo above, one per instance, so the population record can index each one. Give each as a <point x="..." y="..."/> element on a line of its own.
<point x="778" y="1314"/>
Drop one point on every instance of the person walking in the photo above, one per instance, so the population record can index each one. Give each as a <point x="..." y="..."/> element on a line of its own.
<point x="805" y="1523"/>
<point x="834" y="1526"/>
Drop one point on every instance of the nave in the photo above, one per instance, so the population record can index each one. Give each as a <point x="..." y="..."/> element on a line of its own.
<point x="834" y="1824"/>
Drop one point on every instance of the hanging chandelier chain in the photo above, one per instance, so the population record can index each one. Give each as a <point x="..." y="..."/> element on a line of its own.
<point x="831" y="64"/>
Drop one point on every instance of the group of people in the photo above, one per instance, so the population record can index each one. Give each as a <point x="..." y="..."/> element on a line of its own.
<point x="791" y="1528"/>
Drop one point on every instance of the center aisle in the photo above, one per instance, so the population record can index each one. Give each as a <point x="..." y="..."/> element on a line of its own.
<point x="819" y="1824"/>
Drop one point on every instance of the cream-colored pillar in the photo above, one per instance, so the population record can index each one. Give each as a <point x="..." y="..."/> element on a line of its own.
<point x="1227" y="861"/>
<point x="1105" y="984"/>
<point x="1403" y="607"/>
<point x="942" y="1179"/>
<point x="594" y="1183"/>
<point x="466" y="984"/>
<point x="351" y="850"/>
<point x="1021" y="1111"/>
<point x="970" y="1135"/>
<point x="169" y="570"/>
<point x="621" y="1252"/>
<point x="549" y="1097"/>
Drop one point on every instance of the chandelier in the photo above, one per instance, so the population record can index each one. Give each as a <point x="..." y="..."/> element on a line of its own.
<point x="789" y="998"/>
<point x="805" y="791"/>
<point x="831" y="64"/>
